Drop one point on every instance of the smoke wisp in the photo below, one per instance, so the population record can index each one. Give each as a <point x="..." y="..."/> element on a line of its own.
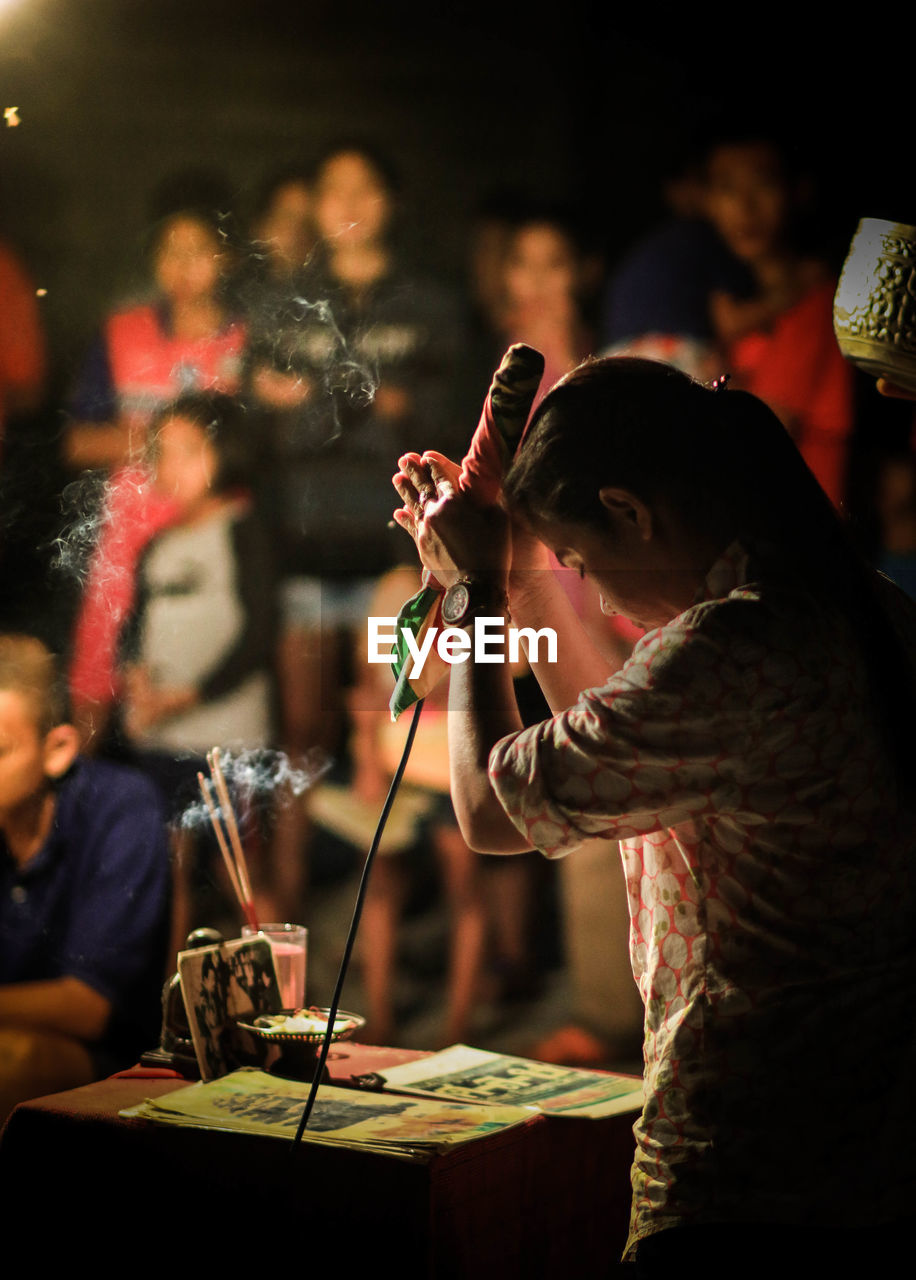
<point x="259" y="780"/>
<point x="90" y="511"/>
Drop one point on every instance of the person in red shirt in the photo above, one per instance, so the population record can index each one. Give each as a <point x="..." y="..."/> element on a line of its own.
<point x="185" y="339"/>
<point x="779" y="342"/>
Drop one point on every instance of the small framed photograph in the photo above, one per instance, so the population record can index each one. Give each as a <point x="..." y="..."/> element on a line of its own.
<point x="221" y="984"/>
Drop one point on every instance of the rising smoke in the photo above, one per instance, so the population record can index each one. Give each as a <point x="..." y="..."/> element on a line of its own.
<point x="86" y="512"/>
<point x="301" y="338"/>
<point x="259" y="780"/>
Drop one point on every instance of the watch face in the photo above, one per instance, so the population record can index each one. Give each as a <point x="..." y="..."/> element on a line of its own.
<point x="455" y="603"/>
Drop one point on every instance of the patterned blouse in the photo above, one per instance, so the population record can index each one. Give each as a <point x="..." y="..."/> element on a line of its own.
<point x="771" y="881"/>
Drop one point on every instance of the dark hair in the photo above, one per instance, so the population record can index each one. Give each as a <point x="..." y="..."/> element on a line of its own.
<point x="562" y="218"/>
<point x="289" y="175"/>
<point x="736" y="129"/>
<point x="223" y="421"/>
<point x="377" y="160"/>
<point x="636" y="423"/>
<point x="728" y="469"/>
<point x="808" y="228"/>
<point x="198" y="194"/>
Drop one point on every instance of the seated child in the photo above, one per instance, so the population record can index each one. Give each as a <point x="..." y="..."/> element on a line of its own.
<point x="199" y="643"/>
<point x="198" y="648"/>
<point x="83" y="893"/>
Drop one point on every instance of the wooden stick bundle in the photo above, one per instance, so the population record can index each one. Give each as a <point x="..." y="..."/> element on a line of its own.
<point x="232" y="851"/>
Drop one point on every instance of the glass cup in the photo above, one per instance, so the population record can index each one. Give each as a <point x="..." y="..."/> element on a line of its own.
<point x="289" y="944"/>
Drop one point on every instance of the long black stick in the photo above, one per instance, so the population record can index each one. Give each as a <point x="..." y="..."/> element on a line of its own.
<point x="354" y="923"/>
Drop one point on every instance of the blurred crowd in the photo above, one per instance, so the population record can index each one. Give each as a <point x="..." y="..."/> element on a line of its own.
<point x="210" y="526"/>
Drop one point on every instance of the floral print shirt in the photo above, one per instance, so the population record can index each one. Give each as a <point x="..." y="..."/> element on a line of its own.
<point x="771" y="879"/>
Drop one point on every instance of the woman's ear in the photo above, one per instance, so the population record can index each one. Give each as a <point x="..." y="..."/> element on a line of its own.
<point x="61" y="747"/>
<point x="626" y="509"/>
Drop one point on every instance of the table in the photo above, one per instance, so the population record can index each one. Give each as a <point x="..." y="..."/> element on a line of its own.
<point x="549" y="1198"/>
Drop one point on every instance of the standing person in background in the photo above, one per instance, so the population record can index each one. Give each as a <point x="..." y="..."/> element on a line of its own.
<point x="493" y="224"/>
<point x="542" y="306"/>
<point x="541" y="292"/>
<point x="269" y="286"/>
<point x="283" y="223"/>
<point x="656" y="303"/>
<point x="492" y="227"/>
<point x="185" y="338"/>
<point x="272" y="292"/>
<point x="372" y="366"/>
<point x="779" y="342"/>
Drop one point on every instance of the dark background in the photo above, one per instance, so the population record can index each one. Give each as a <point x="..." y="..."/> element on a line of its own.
<point x="580" y="101"/>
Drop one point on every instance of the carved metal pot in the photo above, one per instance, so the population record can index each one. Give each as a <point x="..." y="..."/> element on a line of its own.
<point x="874" y="311"/>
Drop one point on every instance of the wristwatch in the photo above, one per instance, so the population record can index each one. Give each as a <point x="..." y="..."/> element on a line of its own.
<point x="466" y="598"/>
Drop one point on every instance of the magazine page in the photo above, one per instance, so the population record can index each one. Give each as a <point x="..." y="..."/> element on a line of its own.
<point x="474" y="1075"/>
<point x="251" y="1101"/>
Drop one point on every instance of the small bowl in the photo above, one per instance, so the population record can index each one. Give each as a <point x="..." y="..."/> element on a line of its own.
<point x="269" y="1026"/>
<point x="874" y="311"/>
<point x="295" y="1054"/>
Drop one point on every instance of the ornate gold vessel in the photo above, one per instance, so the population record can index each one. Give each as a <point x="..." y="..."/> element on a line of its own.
<point x="874" y="311"/>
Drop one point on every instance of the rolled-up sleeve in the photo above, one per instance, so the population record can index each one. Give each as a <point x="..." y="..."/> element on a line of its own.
<point x="662" y="742"/>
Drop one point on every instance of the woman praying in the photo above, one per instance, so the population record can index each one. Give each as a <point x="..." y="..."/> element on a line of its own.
<point x="754" y="756"/>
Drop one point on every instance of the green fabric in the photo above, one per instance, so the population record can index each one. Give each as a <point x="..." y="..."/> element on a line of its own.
<point x="413" y="615"/>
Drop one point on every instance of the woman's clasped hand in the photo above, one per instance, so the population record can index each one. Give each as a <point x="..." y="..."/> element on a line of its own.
<point x="455" y="536"/>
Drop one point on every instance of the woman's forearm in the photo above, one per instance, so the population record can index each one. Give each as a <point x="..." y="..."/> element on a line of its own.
<point x="481" y="711"/>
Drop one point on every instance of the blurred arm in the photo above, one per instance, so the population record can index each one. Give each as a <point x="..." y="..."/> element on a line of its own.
<point x="66" y="1005"/>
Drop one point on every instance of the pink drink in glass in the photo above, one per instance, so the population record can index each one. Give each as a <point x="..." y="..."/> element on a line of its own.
<point x="289" y="957"/>
<point x="288" y="943"/>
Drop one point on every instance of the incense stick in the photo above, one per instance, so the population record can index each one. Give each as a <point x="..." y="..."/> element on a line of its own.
<point x="220" y="838"/>
<point x="234" y="859"/>
<point x="222" y="791"/>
